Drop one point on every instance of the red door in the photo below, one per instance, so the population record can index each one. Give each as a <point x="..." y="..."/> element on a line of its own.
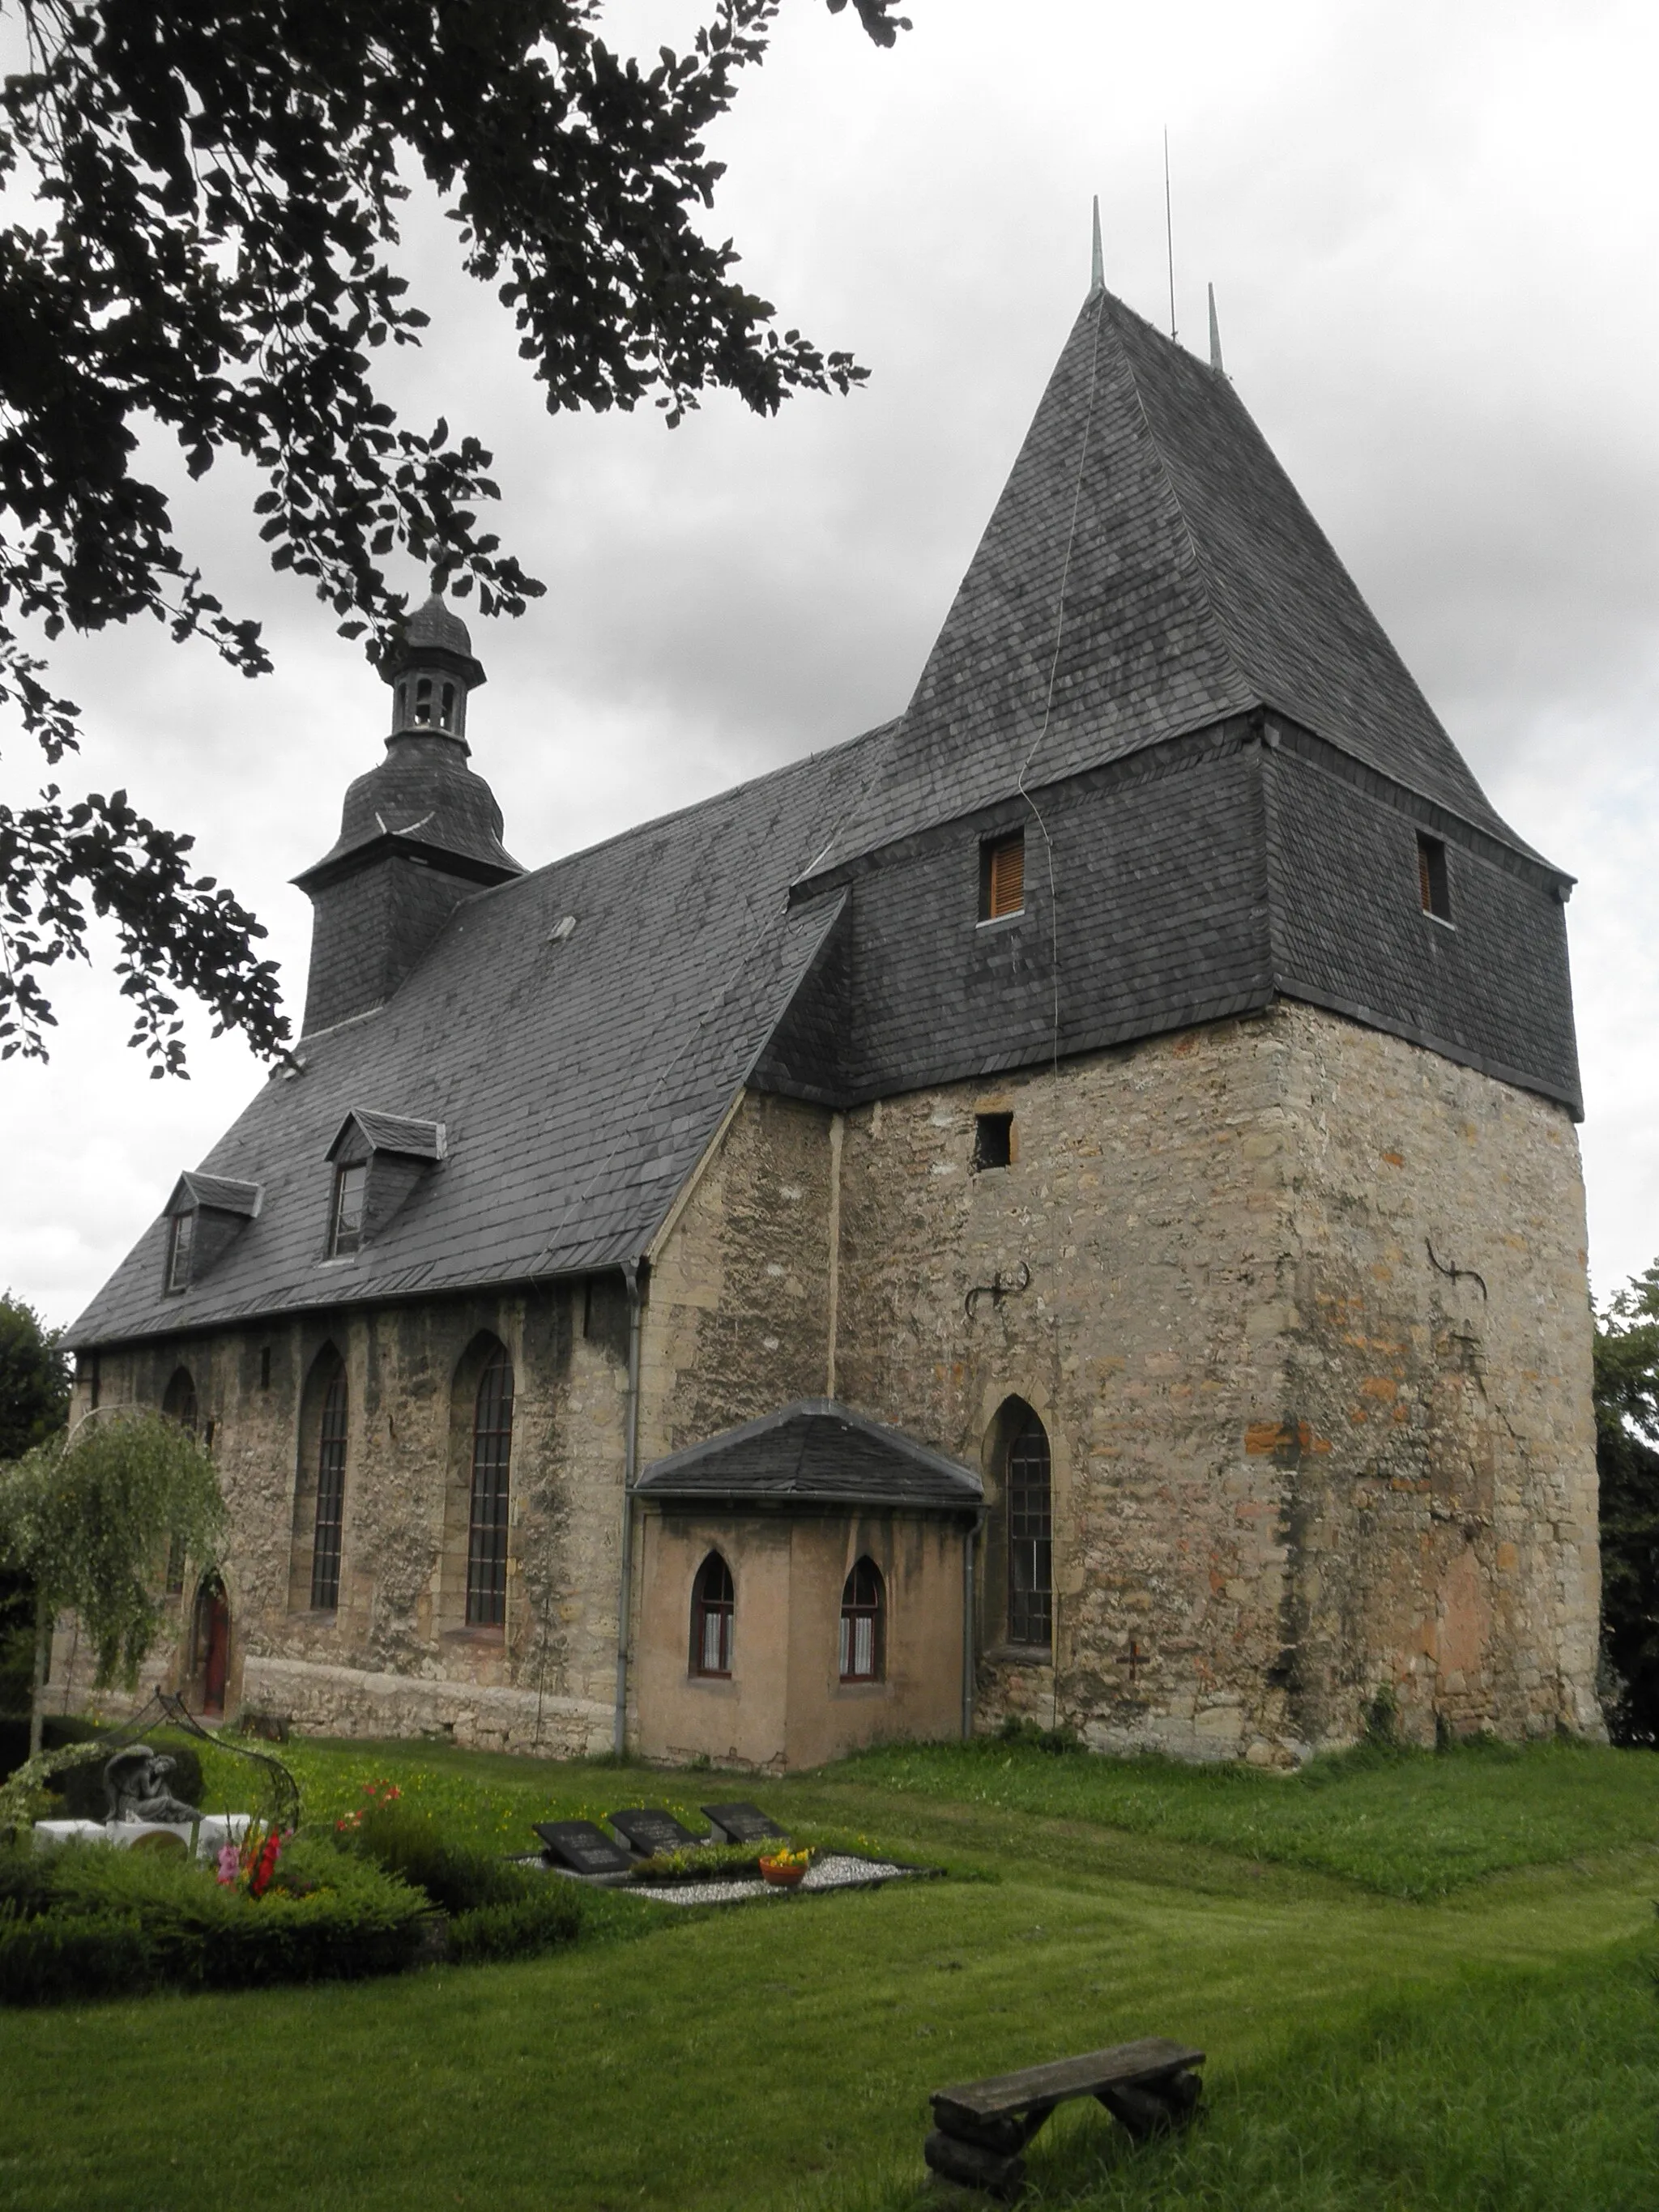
<point x="212" y="1647"/>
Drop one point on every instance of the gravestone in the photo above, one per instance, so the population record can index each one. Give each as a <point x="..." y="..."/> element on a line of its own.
<point x="582" y="1847"/>
<point x="742" y="1824"/>
<point x="647" y="1829"/>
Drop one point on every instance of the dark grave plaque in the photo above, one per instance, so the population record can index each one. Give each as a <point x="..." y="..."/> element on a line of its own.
<point x="743" y="1824"/>
<point x="646" y="1830"/>
<point x="582" y="1847"/>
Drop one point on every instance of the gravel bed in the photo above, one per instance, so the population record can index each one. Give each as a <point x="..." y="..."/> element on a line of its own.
<point x="834" y="1870"/>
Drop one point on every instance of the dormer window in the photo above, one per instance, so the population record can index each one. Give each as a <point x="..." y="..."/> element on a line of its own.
<point x="346" y="1227"/>
<point x="1002" y="877"/>
<point x="380" y="1161"/>
<point x="181" y="1244"/>
<point x="205" y="1215"/>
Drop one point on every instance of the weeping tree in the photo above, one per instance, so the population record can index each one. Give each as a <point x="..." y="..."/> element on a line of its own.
<point x="90" y="1521"/>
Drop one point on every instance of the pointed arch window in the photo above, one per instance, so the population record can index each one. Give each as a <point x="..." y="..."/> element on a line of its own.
<point x="863" y="1624"/>
<point x="492" y="1453"/>
<point x="1031" y="1535"/>
<point x="331" y="1495"/>
<point x="179" y="1404"/>
<point x="713" y="1608"/>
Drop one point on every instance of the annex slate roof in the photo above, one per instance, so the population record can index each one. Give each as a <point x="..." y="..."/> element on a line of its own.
<point x="579" y="1078"/>
<point x="816" y="1452"/>
<point x="1149" y="569"/>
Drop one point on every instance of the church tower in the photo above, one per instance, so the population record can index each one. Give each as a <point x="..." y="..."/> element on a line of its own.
<point x="418" y="834"/>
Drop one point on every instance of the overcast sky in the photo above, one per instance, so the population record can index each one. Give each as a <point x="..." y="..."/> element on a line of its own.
<point x="1432" y="230"/>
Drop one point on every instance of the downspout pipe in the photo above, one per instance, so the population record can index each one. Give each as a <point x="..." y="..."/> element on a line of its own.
<point x="969" y="1543"/>
<point x="634" y="1273"/>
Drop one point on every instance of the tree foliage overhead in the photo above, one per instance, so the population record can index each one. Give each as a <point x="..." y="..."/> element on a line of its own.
<point x="1627" y="1465"/>
<point x="213" y="194"/>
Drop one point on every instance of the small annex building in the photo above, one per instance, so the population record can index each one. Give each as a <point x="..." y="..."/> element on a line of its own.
<point x="1066" y="1205"/>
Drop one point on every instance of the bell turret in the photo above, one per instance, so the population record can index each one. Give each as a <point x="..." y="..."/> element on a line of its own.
<point x="431" y="670"/>
<point x="418" y="834"/>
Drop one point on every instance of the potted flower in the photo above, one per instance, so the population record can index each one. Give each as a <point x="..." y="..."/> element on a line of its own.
<point x="784" y="1867"/>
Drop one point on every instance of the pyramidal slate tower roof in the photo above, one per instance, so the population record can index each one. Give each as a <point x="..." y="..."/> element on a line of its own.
<point x="1239" y="773"/>
<point x="1149" y="569"/>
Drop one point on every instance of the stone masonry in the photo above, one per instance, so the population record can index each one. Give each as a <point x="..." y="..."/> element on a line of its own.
<point x="1306" y="1321"/>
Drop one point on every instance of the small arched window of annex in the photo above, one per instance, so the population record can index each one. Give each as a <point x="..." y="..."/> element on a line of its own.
<point x="489" y="1498"/>
<point x="319" y="1490"/>
<point x="178" y="1403"/>
<point x="1019" y="1550"/>
<point x="864" y="1624"/>
<point x="713" y="1609"/>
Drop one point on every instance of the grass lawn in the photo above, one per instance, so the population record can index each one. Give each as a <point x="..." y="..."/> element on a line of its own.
<point x="1424" y="1983"/>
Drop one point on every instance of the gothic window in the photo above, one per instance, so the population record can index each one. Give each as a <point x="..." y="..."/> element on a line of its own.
<point x="179" y="1404"/>
<point x="712" y="1608"/>
<point x="331" y="1495"/>
<point x="863" y="1613"/>
<point x="1002" y="877"/>
<point x="1030" y="1534"/>
<point x="492" y="1451"/>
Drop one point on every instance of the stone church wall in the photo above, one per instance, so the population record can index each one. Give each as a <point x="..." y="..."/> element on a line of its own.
<point x="1302" y="1306"/>
<point x="396" y="1658"/>
<point x="1294" y="1463"/>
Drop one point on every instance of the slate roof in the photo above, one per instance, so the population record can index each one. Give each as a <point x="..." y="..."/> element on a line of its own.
<point x="816" y="931"/>
<point x="579" y="1081"/>
<point x="1148" y="570"/>
<point x="816" y="1452"/>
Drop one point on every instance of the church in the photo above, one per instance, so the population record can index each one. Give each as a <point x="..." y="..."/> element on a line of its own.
<point x="1065" y="1206"/>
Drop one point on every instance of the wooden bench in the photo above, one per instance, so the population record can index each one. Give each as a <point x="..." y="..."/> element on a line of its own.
<point x="979" y="2128"/>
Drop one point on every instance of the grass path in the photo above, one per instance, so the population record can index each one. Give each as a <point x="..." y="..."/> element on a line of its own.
<point x="780" y="2055"/>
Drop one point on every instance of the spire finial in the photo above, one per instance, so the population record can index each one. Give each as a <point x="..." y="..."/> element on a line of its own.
<point x="1216" y="362"/>
<point x="1098" y="260"/>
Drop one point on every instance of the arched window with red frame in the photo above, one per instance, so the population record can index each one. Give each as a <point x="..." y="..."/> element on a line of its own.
<point x="713" y="1608"/>
<point x="863" y="1624"/>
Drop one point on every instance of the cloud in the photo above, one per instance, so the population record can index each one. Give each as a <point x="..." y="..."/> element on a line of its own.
<point x="1426" y="227"/>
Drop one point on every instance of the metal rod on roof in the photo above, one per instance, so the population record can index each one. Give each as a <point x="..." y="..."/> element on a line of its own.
<point x="1169" y="230"/>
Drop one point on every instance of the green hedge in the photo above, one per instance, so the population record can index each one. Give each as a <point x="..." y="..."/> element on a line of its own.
<point x="86" y="1920"/>
<point x="543" y="1917"/>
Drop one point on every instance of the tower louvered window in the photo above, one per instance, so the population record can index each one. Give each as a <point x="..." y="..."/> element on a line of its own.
<point x="492" y="1452"/>
<point x="1030" y="1536"/>
<point x="1002" y="877"/>
<point x="331" y="1495"/>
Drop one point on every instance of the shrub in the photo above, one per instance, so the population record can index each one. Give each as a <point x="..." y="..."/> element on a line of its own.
<point x="71" y="1954"/>
<point x="457" y="1877"/>
<point x="548" y="1914"/>
<point x="85" y="1920"/>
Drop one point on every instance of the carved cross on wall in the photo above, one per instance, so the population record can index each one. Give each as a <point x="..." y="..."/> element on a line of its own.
<point x="1134" y="1659"/>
